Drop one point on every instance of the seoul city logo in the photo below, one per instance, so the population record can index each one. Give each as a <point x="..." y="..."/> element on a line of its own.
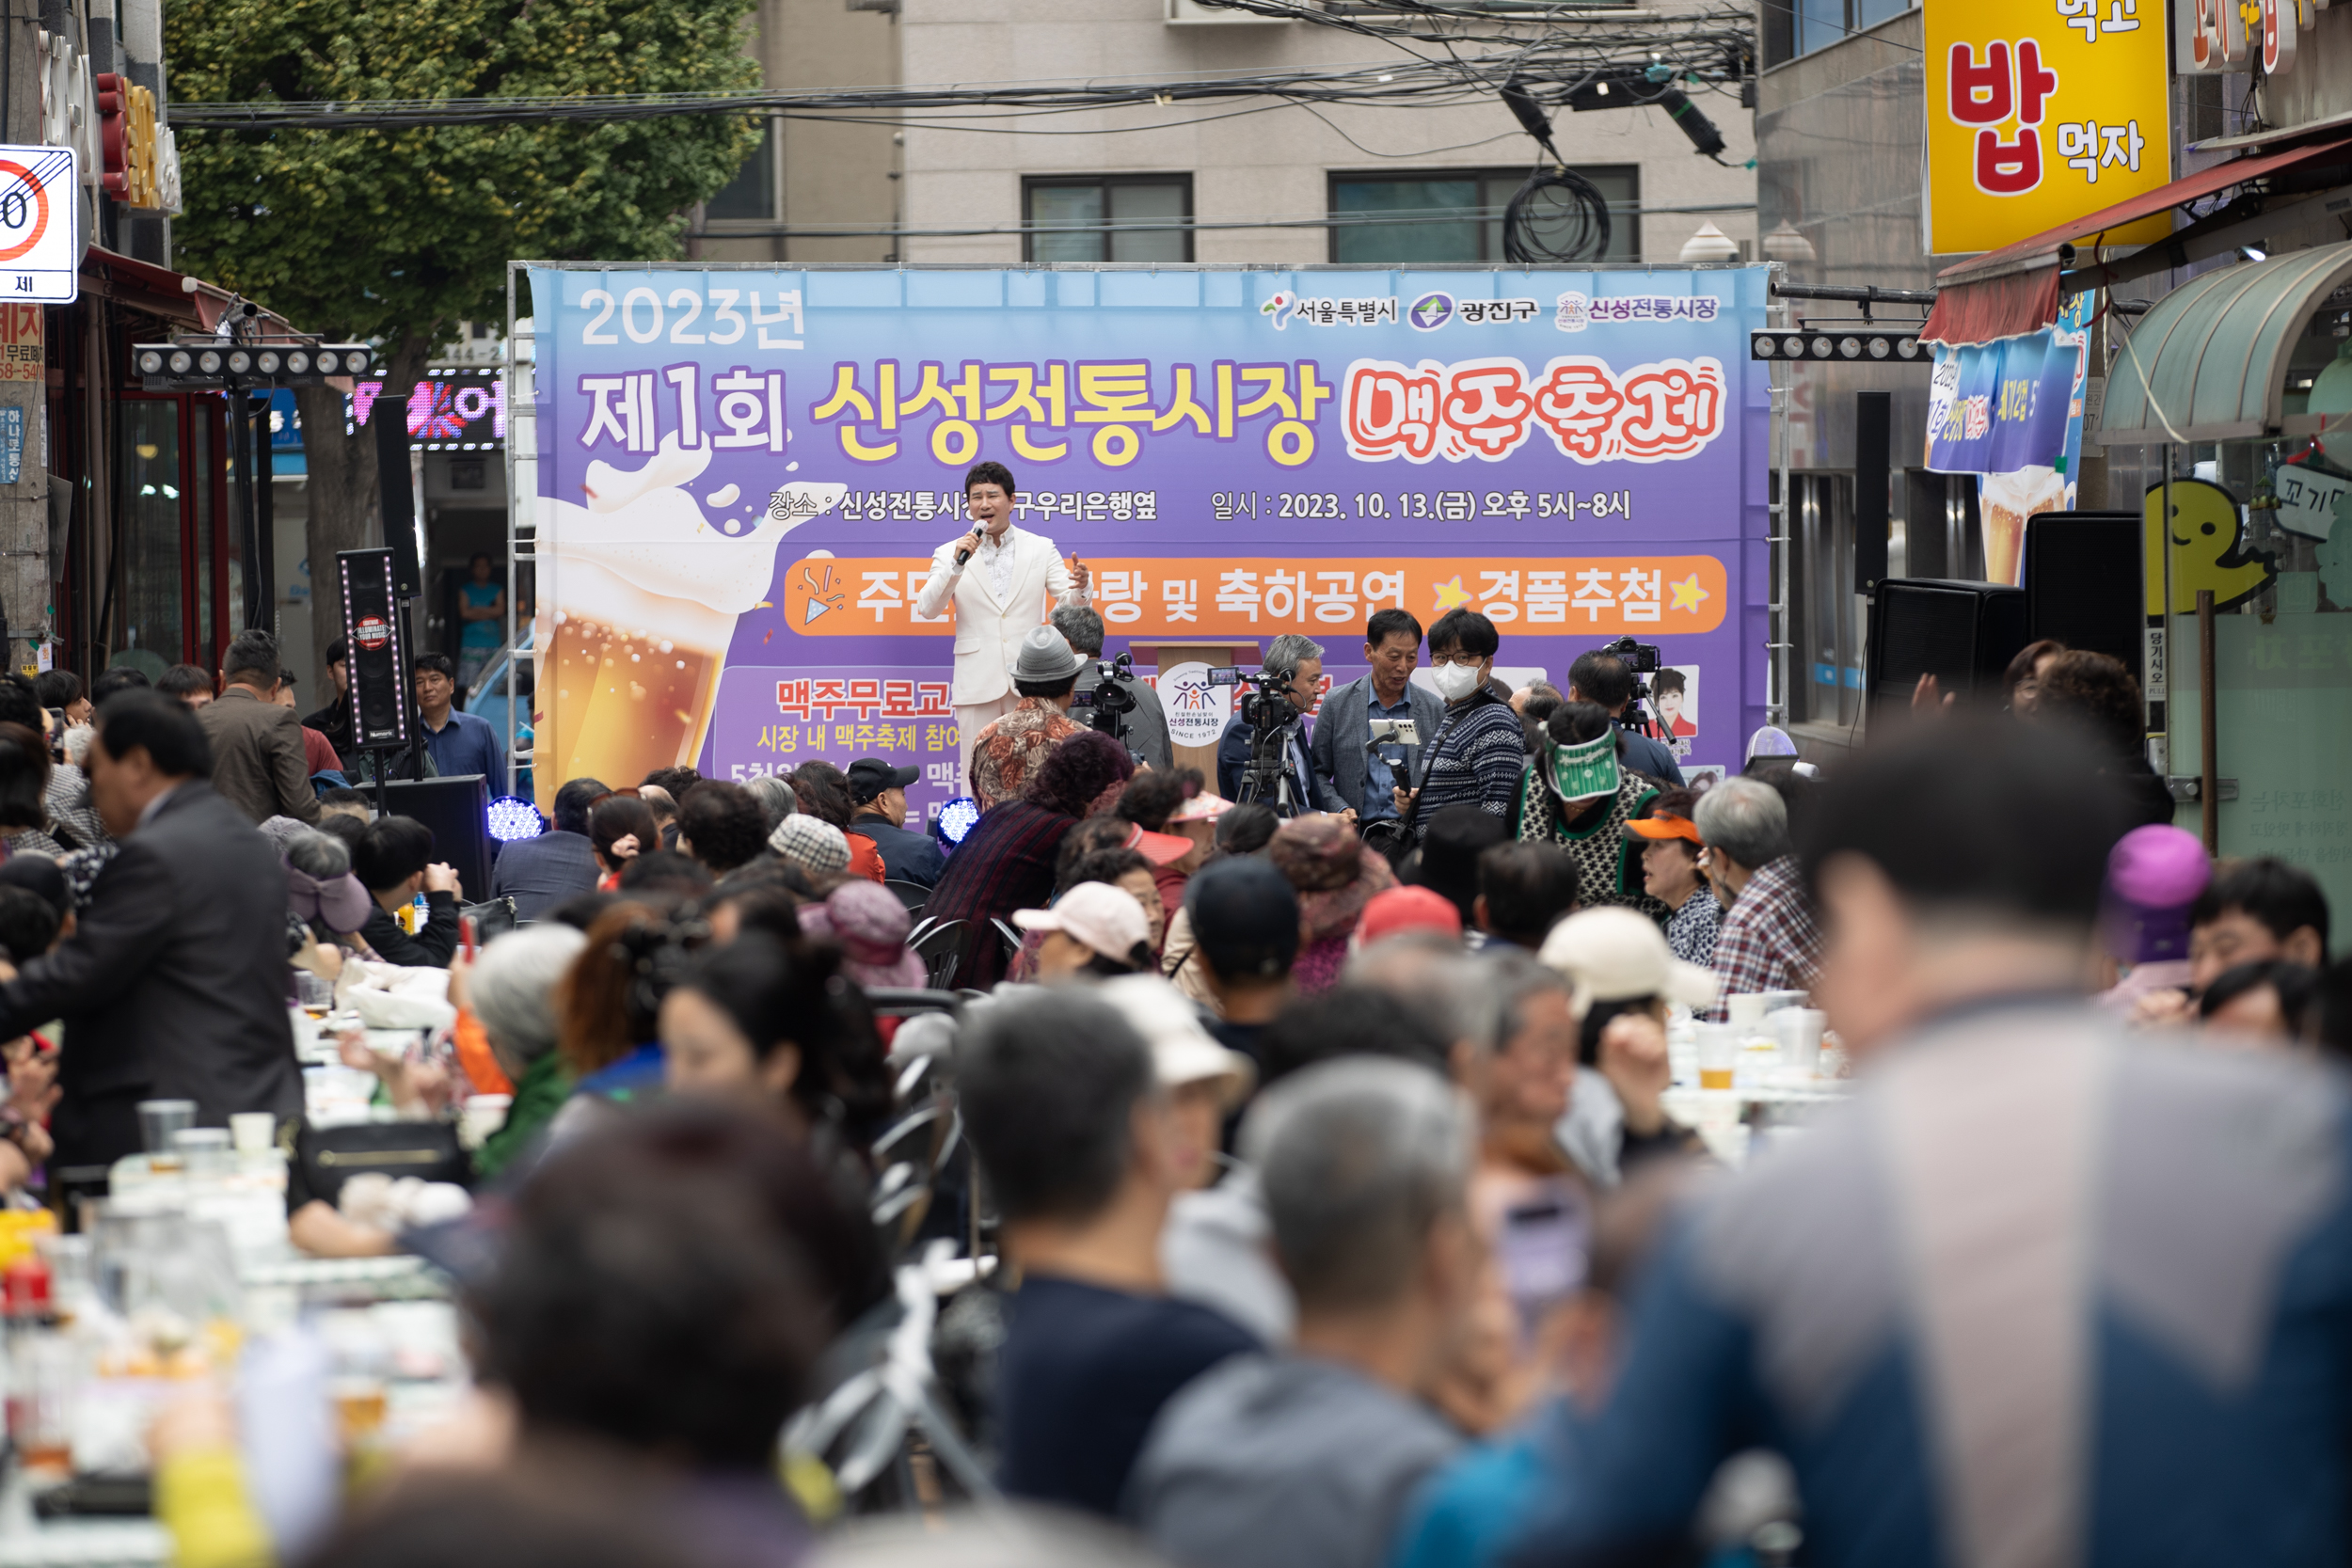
<point x="1431" y="312"/>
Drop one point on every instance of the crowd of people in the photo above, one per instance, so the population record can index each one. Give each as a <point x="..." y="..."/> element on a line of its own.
<point x="1315" y="1174"/>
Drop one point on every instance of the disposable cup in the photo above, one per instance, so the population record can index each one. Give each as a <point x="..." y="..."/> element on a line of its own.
<point x="160" y="1118"/>
<point x="1747" y="1010"/>
<point x="1718" y="1054"/>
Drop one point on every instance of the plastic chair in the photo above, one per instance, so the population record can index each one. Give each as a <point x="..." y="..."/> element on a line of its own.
<point x="913" y="894"/>
<point x="943" y="948"/>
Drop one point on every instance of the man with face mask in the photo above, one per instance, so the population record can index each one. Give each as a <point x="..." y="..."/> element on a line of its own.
<point x="1574" y="794"/>
<point x="1479" y="749"/>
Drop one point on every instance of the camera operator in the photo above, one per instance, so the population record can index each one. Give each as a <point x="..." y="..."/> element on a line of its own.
<point x="1301" y="660"/>
<point x="1352" y="774"/>
<point x="1603" y="678"/>
<point x="1144" y="727"/>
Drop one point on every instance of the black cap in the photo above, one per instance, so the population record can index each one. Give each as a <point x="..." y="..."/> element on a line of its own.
<point x="1449" y="853"/>
<point x="870" y="776"/>
<point x="1244" y="916"/>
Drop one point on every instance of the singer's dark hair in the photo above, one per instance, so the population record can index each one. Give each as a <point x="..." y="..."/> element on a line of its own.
<point x="989" y="473"/>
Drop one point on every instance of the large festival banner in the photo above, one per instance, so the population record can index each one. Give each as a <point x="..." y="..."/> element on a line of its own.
<point x="742" y="475"/>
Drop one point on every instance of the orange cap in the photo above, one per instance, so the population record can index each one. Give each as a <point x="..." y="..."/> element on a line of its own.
<point x="1664" y="827"/>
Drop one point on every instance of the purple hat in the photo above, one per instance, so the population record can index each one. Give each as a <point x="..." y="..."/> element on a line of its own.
<point x="2154" y="875"/>
<point x="339" y="902"/>
<point x="871" y="924"/>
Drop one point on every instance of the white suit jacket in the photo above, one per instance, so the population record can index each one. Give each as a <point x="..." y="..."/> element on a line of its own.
<point x="988" y="634"/>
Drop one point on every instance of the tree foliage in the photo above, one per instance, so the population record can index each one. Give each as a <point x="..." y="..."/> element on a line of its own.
<point x="397" y="235"/>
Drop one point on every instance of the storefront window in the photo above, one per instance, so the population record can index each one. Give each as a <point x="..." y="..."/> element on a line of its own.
<point x="1825" y="618"/>
<point x="149" y="486"/>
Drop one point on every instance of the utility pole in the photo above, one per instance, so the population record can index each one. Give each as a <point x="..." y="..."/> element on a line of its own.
<point x="25" y="592"/>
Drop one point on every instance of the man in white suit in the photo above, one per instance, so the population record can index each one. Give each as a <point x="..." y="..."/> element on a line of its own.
<point x="1004" y="581"/>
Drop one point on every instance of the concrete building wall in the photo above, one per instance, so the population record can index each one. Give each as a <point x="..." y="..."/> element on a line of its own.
<point x="832" y="174"/>
<point x="1252" y="164"/>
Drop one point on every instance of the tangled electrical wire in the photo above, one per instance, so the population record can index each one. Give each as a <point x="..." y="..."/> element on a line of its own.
<point x="1452" y="55"/>
<point x="1557" y="215"/>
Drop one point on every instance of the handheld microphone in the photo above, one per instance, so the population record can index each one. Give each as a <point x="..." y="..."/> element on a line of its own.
<point x="964" y="554"/>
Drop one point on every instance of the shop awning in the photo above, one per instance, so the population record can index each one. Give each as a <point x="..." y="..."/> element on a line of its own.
<point x="2208" y="362"/>
<point x="2015" y="290"/>
<point x="160" y="292"/>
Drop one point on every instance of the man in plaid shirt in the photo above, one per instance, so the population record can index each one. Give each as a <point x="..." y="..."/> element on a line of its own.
<point x="1769" y="940"/>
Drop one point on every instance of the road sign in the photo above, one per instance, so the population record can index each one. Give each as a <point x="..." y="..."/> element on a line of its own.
<point x="39" y="254"/>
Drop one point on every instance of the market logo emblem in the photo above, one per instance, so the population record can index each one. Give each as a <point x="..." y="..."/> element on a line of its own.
<point x="1197" y="711"/>
<point x="1280" y="307"/>
<point x="1431" y="312"/>
<point x="1575" y="312"/>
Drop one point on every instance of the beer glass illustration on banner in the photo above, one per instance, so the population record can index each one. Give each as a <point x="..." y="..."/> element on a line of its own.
<point x="641" y="606"/>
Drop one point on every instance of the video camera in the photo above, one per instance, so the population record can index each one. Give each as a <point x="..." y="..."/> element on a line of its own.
<point x="1266" y="705"/>
<point x="1105" y="704"/>
<point x="1642" y="660"/>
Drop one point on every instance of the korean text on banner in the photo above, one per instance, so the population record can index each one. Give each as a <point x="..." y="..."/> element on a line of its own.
<point x="744" y="477"/>
<point x="2039" y="112"/>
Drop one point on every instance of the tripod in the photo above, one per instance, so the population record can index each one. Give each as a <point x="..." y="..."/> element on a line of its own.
<point x="1267" y="779"/>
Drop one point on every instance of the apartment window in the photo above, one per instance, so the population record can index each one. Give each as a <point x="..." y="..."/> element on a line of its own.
<point x="1457" y="215"/>
<point x="1794" y="27"/>
<point x="751" y="195"/>
<point x="1107" y="217"/>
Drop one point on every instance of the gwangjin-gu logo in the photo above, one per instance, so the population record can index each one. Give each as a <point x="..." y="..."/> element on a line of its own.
<point x="1431" y="312"/>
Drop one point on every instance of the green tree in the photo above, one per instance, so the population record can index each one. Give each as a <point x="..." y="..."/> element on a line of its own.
<point x="395" y="236"/>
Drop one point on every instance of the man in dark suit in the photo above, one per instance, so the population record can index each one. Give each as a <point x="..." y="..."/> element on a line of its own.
<point x="878" y="799"/>
<point x="1350" y="773"/>
<point x="258" y="761"/>
<point x="1604" y="678"/>
<point x="173" y="985"/>
<point x="540" y="873"/>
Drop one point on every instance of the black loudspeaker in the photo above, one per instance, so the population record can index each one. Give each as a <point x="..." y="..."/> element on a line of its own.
<point x="1873" y="452"/>
<point x="457" y="809"/>
<point x="2083" y="583"/>
<point x="389" y="421"/>
<point x="377" y="632"/>
<point x="1963" y="633"/>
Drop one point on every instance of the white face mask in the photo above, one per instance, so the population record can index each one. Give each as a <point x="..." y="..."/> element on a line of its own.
<point x="1454" y="681"/>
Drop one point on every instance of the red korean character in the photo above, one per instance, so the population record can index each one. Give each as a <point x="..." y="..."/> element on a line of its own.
<point x="898" y="700"/>
<point x="2008" y="168"/>
<point x="866" y="696"/>
<point x="792" y="698"/>
<point x="828" y="695"/>
<point x="933" y="699"/>
<point x="1391" y="411"/>
<point x="2036" y="82"/>
<point x="1980" y="94"/>
<point x="1579" y="402"/>
<point x="1672" y="409"/>
<point x="1486" y="405"/>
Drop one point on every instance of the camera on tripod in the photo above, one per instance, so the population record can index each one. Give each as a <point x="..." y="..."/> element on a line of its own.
<point x="1641" y="661"/>
<point x="1105" y="704"/>
<point x="1266" y="704"/>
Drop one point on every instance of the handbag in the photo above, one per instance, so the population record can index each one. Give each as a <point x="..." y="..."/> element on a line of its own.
<point x="492" y="917"/>
<point x="326" y="1157"/>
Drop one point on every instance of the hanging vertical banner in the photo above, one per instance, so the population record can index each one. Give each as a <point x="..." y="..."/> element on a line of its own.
<point x="2040" y="112"/>
<point x="2011" y="413"/>
<point x="742" y="477"/>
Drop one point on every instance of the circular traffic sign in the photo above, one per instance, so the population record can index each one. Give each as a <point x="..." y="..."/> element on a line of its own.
<point x="19" y="209"/>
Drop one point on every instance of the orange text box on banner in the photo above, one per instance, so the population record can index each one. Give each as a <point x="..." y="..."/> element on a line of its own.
<point x="22" y="355"/>
<point x="2040" y="112"/>
<point x="1193" y="596"/>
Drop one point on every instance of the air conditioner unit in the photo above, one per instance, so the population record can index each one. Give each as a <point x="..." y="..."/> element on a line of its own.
<point x="1188" y="13"/>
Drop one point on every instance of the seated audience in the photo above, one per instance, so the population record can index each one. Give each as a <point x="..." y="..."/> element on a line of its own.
<point x="1627" y="973"/>
<point x="1670" y="847"/>
<point x="2265" y="1001"/>
<point x="540" y="873"/>
<point x="1076" y="1142"/>
<point x="1305" y="1457"/>
<point x="1574" y="793"/>
<point x="1246" y="927"/>
<point x="1335" y="875"/>
<point x="1094" y="931"/>
<point x="1769" y="939"/>
<point x="394" y="862"/>
<point x="1524" y="890"/>
<point x="721" y="826"/>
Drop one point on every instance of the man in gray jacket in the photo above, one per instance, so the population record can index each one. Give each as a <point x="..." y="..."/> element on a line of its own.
<point x="1303" y="1460"/>
<point x="1348" y="776"/>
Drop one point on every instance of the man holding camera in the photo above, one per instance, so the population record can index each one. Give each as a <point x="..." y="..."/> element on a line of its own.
<point x="1144" y="729"/>
<point x="1002" y="581"/>
<point x="1601" y="677"/>
<point x="1295" y="663"/>
<point x="1356" y="774"/>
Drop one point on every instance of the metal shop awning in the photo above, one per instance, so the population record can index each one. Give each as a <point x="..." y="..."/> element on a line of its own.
<point x="2208" y="362"/>
<point x="2016" y="289"/>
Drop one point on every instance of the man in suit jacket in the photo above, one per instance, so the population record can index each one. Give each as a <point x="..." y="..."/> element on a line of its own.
<point x="1007" y="582"/>
<point x="256" y="744"/>
<point x="173" y="985"/>
<point x="540" y="873"/>
<point x="1346" y="779"/>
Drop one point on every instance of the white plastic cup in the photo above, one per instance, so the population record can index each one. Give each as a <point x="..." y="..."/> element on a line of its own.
<point x="1799" y="1033"/>
<point x="253" y="1131"/>
<point x="1747" y="1010"/>
<point x="1719" y="1055"/>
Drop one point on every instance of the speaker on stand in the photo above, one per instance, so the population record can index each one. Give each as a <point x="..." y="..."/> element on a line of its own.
<point x="1963" y="633"/>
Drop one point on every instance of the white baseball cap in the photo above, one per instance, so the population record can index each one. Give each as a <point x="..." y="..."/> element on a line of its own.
<point x="1615" y="954"/>
<point x="1104" y="917"/>
<point x="1182" y="1051"/>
